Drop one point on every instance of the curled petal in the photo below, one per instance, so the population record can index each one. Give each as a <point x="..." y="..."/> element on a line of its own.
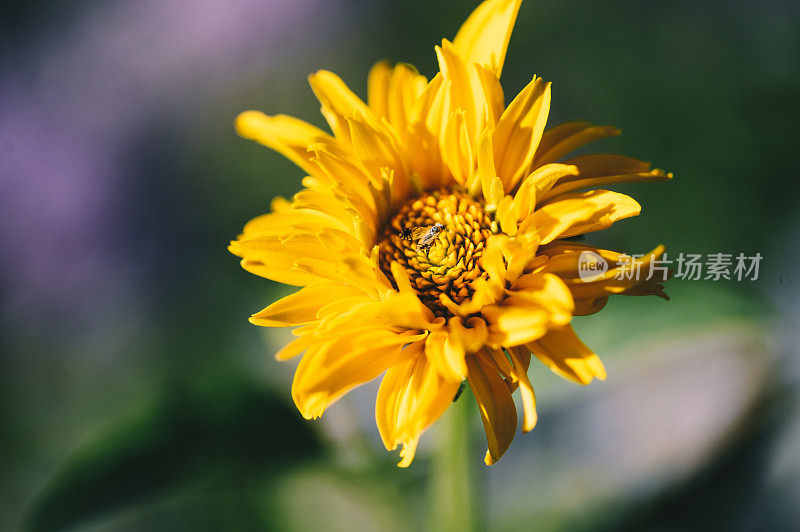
<point x="542" y="288"/>
<point x="510" y="326"/>
<point x="506" y="217"/>
<point x="536" y="186"/>
<point x="496" y="406"/>
<point x="445" y="355"/>
<point x="519" y="374"/>
<point x="520" y="255"/>
<point x="470" y="338"/>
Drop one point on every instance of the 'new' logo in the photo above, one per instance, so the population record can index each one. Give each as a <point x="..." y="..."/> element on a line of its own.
<point x="591" y="266"/>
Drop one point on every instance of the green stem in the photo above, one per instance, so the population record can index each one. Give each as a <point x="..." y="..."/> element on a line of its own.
<point x="453" y="487"/>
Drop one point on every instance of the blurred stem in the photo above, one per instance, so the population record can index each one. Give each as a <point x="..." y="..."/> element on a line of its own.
<point x="453" y="487"/>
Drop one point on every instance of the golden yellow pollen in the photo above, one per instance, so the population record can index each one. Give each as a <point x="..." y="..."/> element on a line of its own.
<point x="451" y="264"/>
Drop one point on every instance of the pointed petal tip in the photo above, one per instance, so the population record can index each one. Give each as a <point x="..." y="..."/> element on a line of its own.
<point x="484" y="36"/>
<point x="488" y="460"/>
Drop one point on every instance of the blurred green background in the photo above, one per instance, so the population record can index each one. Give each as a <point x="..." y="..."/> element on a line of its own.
<point x="135" y="395"/>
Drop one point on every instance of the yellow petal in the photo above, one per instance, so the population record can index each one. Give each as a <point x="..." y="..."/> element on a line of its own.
<point x="603" y="164"/>
<point x="347" y="303"/>
<point x="277" y="259"/>
<point x="378" y="88"/>
<point x="412" y="396"/>
<point x="484" y="37"/>
<point x="320" y="204"/>
<point x="374" y="145"/>
<point x="280" y="275"/>
<point x="470" y="337"/>
<point x="343" y="169"/>
<point x="338" y="102"/>
<point x="295" y="347"/>
<point x="497" y="409"/>
<point x="578" y="184"/>
<point x="564" y="139"/>
<point x="498" y="359"/>
<point x="564" y="257"/>
<point x="546" y="291"/>
<point x="564" y="353"/>
<point x="401" y="278"/>
<point x="465" y="87"/>
<point x="330" y="369"/>
<point x="491" y="185"/>
<point x="519" y="130"/>
<point x="492" y="93"/>
<point x="616" y="281"/>
<point x="405" y="86"/>
<point x="348" y="268"/>
<point x="292" y="221"/>
<point x="524" y="200"/>
<point x="574" y="214"/>
<point x="456" y="149"/>
<point x="520" y="375"/>
<point x="431" y="109"/>
<point x="485" y="294"/>
<point x="603" y="169"/>
<point x="506" y="216"/>
<point x="445" y="355"/>
<point x="520" y="255"/>
<point x="302" y="306"/>
<point x="492" y="260"/>
<point x="511" y="325"/>
<point x="392" y="392"/>
<point x="404" y="309"/>
<point x="424" y="157"/>
<point x="287" y="135"/>
<point x="537" y="184"/>
<point x="408" y="452"/>
<point x="585" y="307"/>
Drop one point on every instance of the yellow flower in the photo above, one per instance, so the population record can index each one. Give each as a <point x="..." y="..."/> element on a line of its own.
<point x="498" y="283"/>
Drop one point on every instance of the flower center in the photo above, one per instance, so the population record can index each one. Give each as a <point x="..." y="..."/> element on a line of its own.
<point x="439" y="259"/>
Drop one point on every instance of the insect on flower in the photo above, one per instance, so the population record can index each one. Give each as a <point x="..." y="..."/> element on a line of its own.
<point x="426" y="235"/>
